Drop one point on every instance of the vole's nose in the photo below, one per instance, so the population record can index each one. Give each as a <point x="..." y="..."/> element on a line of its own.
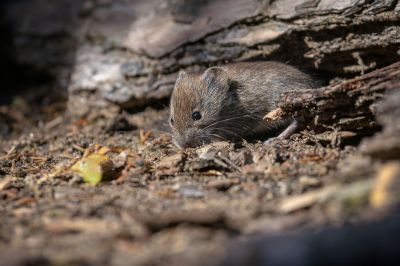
<point x="179" y="143"/>
<point x="184" y="142"/>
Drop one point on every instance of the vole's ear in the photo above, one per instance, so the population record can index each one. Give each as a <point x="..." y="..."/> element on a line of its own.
<point x="216" y="76"/>
<point x="181" y="75"/>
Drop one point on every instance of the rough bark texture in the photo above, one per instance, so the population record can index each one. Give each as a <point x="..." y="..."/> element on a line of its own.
<point x="386" y="144"/>
<point x="349" y="107"/>
<point x="130" y="52"/>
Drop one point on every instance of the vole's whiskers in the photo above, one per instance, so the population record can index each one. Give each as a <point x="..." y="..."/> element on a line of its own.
<point x="218" y="136"/>
<point x="229" y="132"/>
<point x="229" y="119"/>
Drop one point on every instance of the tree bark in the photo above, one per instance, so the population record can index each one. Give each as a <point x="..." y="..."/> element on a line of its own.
<point x="130" y="51"/>
<point x="349" y="106"/>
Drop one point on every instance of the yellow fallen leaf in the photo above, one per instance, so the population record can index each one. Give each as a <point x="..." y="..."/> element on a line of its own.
<point x="386" y="189"/>
<point x="103" y="150"/>
<point x="93" y="168"/>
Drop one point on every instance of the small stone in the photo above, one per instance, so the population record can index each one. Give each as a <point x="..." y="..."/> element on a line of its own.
<point x="139" y="163"/>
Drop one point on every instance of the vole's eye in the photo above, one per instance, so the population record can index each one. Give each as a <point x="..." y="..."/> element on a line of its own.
<point x="196" y="116"/>
<point x="171" y="120"/>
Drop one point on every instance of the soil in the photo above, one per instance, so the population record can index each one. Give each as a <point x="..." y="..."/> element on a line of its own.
<point x="156" y="204"/>
<point x="162" y="205"/>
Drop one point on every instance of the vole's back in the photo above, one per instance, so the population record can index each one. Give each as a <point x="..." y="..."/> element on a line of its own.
<point x="262" y="83"/>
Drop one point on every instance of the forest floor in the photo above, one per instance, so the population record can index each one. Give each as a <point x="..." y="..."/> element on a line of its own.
<point x="157" y="205"/>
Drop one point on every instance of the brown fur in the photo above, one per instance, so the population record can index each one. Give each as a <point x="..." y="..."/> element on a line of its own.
<point x="232" y="100"/>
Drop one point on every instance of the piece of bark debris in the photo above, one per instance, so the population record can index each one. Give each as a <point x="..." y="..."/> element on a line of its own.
<point x="308" y="199"/>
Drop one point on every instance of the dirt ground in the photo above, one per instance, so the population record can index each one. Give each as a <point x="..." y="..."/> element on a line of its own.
<point x="110" y="188"/>
<point x="158" y="205"/>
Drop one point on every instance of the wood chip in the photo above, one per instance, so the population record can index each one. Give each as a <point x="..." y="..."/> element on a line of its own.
<point x="5" y="182"/>
<point x="332" y="135"/>
<point x="223" y="184"/>
<point x="308" y="199"/>
<point x="274" y="115"/>
<point x="86" y="225"/>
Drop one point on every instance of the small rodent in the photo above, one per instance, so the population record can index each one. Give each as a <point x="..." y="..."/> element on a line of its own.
<point x="229" y="102"/>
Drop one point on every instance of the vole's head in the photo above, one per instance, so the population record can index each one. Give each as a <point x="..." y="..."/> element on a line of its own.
<point x="197" y="106"/>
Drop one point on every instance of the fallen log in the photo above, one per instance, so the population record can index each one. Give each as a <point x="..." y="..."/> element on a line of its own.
<point x="347" y="106"/>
